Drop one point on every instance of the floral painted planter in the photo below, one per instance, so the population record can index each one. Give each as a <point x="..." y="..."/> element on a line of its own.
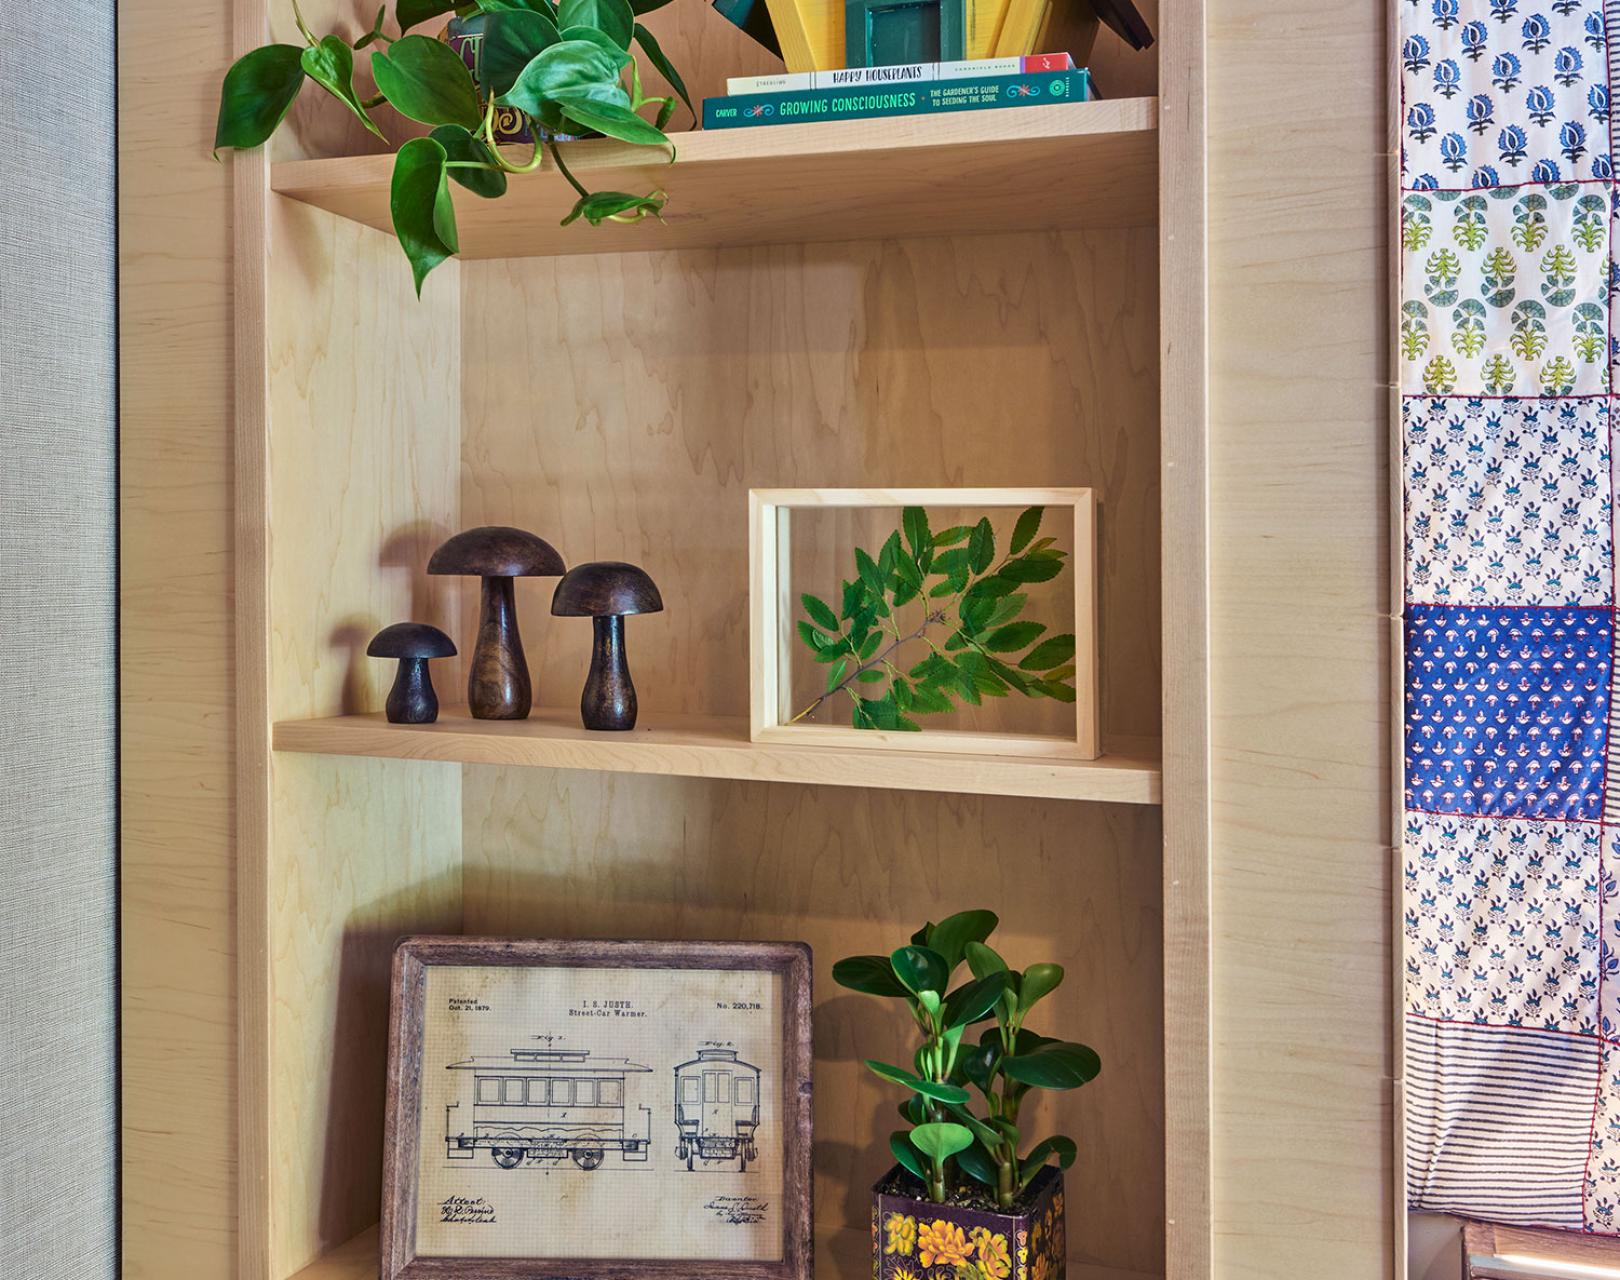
<point x="917" y="1240"/>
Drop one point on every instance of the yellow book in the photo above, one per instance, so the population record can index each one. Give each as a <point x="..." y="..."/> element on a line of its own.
<point x="1020" y="27"/>
<point x="984" y="19"/>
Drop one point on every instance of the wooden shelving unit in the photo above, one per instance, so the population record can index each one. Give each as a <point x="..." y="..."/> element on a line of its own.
<point x="1010" y="298"/>
<point x="718" y="747"/>
<point x="1031" y="168"/>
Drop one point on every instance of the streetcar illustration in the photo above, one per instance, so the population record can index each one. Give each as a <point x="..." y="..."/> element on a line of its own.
<point x="716" y="1109"/>
<point x="547" y="1105"/>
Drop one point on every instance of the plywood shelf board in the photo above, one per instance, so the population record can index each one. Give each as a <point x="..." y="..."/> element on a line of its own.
<point x="840" y="1255"/>
<point x="718" y="747"/>
<point x="1092" y="164"/>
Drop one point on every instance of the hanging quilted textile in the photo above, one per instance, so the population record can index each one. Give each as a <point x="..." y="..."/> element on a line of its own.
<point x="1511" y="848"/>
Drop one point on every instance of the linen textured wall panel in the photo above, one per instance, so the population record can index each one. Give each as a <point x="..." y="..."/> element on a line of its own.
<point x="1511" y="851"/>
<point x="58" y="613"/>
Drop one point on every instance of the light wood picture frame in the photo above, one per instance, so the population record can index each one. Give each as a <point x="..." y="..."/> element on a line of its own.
<point x="598" y="1110"/>
<point x="773" y="606"/>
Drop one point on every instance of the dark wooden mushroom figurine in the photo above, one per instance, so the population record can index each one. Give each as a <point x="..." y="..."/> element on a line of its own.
<point x="412" y="700"/>
<point x="498" y="676"/>
<point x="606" y="591"/>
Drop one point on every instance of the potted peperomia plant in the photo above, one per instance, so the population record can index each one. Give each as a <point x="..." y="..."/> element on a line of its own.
<point x="967" y="1194"/>
<point x="564" y="66"/>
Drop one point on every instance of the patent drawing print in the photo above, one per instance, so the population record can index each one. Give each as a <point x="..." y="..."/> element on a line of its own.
<point x="598" y="1111"/>
<point x="717" y="1099"/>
<point x="544" y="1106"/>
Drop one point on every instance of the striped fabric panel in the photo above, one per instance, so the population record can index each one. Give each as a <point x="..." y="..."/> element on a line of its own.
<point x="1498" y="1120"/>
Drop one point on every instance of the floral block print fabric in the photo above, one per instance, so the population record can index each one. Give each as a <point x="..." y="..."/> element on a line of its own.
<point x="1494" y="94"/>
<point x="1507" y="710"/>
<point x="1508" y="501"/>
<point x="1501" y="922"/>
<point x="1499" y="1121"/>
<point x="1506" y="291"/>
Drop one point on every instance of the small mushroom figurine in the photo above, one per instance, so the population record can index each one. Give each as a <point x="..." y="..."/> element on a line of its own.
<point x="498" y="676"/>
<point x="412" y="700"/>
<point x="605" y="591"/>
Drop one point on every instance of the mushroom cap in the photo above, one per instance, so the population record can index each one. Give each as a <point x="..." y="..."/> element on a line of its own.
<point x="410" y="640"/>
<point x="605" y="588"/>
<point x="497" y="551"/>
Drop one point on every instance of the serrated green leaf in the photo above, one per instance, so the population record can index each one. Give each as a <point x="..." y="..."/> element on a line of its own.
<point x="870" y="677"/>
<point x="854" y="597"/>
<point x="836" y="674"/>
<point x="1056" y="690"/>
<point x="914" y="520"/>
<point x="871" y="645"/>
<point x="1013" y="636"/>
<point x="951" y="536"/>
<point x="982" y="545"/>
<point x="1033" y="567"/>
<point x="1029" y="523"/>
<point x="870" y="574"/>
<point x="1054" y="651"/>
<point x="256" y="94"/>
<point x="811" y="636"/>
<point x="820" y="612"/>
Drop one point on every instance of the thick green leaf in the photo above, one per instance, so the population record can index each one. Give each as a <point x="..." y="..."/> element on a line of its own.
<point x="983" y="960"/>
<point x="660" y="60"/>
<point x="974" y="1000"/>
<point x="410" y="12"/>
<point x="871" y="974"/>
<point x="427" y="81"/>
<point x="419" y="189"/>
<point x="512" y="41"/>
<point x="258" y="90"/>
<point x="920" y="938"/>
<point x="928" y="1088"/>
<point x="906" y="1154"/>
<point x="921" y="968"/>
<point x="979" y="1063"/>
<point x="820" y="612"/>
<point x="1054" y="1065"/>
<point x="460" y="145"/>
<point x="613" y="18"/>
<point x="1039" y="980"/>
<point x="1054" y="651"/>
<point x="914" y="1110"/>
<point x="1015" y="635"/>
<point x="1029" y="523"/>
<point x="952" y="934"/>
<point x="975" y="1161"/>
<point x="942" y="1140"/>
<point x="1059" y="1146"/>
<point x="982" y="545"/>
<point x="330" y="64"/>
<point x="646" y="6"/>
<point x="1035" y="567"/>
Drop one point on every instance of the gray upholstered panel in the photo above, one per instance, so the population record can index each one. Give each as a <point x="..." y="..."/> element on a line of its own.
<point x="58" y="656"/>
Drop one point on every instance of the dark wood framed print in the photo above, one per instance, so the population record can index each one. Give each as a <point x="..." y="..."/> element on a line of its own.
<point x="598" y="1111"/>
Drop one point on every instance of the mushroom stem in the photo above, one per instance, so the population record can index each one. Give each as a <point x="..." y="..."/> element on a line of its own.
<point x="412" y="699"/>
<point x="609" y="700"/>
<point x="498" y="681"/>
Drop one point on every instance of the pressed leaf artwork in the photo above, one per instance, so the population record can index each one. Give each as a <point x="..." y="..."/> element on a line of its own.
<point x="934" y="619"/>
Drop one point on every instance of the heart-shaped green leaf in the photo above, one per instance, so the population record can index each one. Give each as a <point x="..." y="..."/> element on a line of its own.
<point x="567" y="66"/>
<point x="666" y="68"/>
<point x="906" y="1154"/>
<point x="952" y="934"/>
<point x="330" y="64"/>
<point x="427" y="81"/>
<point x="948" y="1093"/>
<point x="1039" y="980"/>
<point x="1054" y="651"/>
<point x="410" y="12"/>
<point x="258" y="90"/>
<point x="974" y="1000"/>
<point x="942" y="1140"/>
<point x="420" y="202"/>
<point x="921" y="968"/>
<point x="616" y="206"/>
<point x="512" y="40"/>
<point x="613" y="18"/>
<point x="459" y="145"/>
<point x="611" y="119"/>
<point x="1055" y="1065"/>
<point x="870" y="974"/>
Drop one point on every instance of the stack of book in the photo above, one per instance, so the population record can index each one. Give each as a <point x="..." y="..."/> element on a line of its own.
<point x="857" y="93"/>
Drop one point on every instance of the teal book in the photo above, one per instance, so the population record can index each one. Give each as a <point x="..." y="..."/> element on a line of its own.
<point x="862" y="102"/>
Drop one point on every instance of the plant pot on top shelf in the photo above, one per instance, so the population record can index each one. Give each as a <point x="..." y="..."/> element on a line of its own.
<point x="914" y="1238"/>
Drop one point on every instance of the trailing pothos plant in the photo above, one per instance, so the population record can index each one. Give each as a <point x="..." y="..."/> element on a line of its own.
<point x="565" y="64"/>
<point x="949" y="1136"/>
<point x="952" y="592"/>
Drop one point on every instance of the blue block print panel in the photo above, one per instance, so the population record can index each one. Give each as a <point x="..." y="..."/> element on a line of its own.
<point x="1498" y="1120"/>
<point x="1507" y="710"/>
<point x="1501" y="921"/>
<point x="1507" y="501"/>
<point x="1496" y="92"/>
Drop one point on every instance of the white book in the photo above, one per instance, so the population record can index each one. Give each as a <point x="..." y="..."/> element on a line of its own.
<point x="911" y="73"/>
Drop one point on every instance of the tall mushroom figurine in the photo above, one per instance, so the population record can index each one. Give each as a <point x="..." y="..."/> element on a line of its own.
<point x="412" y="700"/>
<point x="498" y="676"/>
<point x="605" y="591"/>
